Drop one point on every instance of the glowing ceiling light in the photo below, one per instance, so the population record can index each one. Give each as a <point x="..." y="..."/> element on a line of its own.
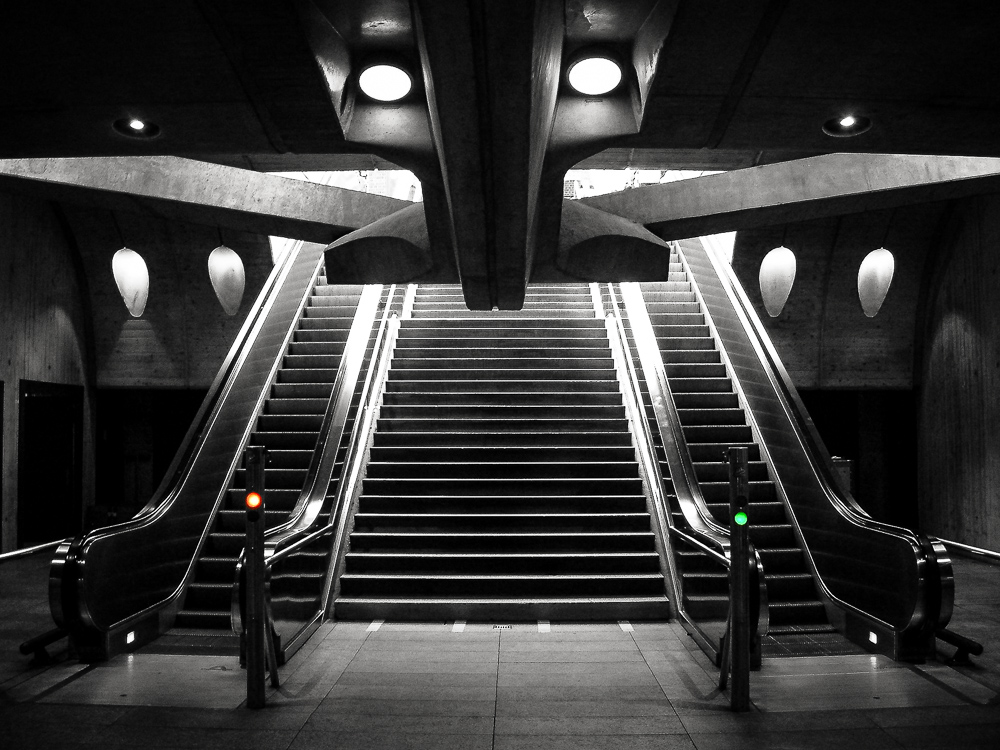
<point x="132" y="278"/>
<point x="846" y="126"/>
<point x="595" y="75"/>
<point x="135" y="127"/>
<point x="874" y="278"/>
<point x="385" y="83"/>
<point x="228" y="276"/>
<point x="777" y="274"/>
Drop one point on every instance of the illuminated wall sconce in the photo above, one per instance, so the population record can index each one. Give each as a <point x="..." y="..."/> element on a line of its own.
<point x="777" y="274"/>
<point x="874" y="278"/>
<point x="132" y="278"/>
<point x="228" y="276"/>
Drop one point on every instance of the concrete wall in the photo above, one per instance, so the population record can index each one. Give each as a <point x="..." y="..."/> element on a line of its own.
<point x="959" y="381"/>
<point x="822" y="335"/>
<point x="44" y="329"/>
<point x="184" y="335"/>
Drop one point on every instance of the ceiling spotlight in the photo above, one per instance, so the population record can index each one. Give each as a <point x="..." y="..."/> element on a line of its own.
<point x="846" y="126"/>
<point x="133" y="127"/>
<point x="595" y="75"/>
<point x="385" y="83"/>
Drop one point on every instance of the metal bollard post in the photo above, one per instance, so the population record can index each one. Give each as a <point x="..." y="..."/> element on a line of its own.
<point x="739" y="579"/>
<point x="254" y="622"/>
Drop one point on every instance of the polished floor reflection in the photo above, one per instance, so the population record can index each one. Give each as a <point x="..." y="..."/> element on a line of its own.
<point x="530" y="685"/>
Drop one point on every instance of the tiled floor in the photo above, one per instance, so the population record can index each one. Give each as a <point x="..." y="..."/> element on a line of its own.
<point x="391" y="685"/>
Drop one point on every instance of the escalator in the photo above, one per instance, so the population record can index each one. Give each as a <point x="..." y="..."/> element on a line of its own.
<point x="827" y="566"/>
<point x="298" y="354"/>
<point x="502" y="482"/>
<point x="288" y="427"/>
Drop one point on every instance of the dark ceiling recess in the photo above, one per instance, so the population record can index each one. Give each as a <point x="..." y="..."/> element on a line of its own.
<point x="489" y="126"/>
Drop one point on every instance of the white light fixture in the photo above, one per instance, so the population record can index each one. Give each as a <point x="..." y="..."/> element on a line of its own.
<point x="874" y="278"/>
<point x="136" y="127"/>
<point x="846" y="126"/>
<point x="228" y="276"/>
<point x="132" y="279"/>
<point x="385" y="83"/>
<point x="594" y="75"/>
<point x="777" y="274"/>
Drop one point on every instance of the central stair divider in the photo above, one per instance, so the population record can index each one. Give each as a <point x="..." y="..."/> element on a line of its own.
<point x="294" y="570"/>
<point x="502" y="482"/>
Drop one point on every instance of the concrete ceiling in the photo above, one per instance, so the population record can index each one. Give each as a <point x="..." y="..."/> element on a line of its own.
<point x="492" y="126"/>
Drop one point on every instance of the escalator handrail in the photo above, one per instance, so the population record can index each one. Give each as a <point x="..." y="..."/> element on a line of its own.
<point x="313" y="494"/>
<point x="682" y="474"/>
<point x="349" y="484"/>
<point x="374" y="378"/>
<point x="708" y="541"/>
<point x="818" y="457"/>
<point x="644" y="442"/>
<point x="69" y="566"/>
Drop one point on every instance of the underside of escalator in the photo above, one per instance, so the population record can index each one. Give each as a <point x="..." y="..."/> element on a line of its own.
<point x="288" y="427"/>
<point x="502" y="482"/>
<point x="713" y="420"/>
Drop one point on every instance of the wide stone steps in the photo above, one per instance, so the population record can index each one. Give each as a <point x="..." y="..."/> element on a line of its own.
<point x="502" y="481"/>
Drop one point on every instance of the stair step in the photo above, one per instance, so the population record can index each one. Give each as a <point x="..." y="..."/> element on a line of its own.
<point x="574" y="609"/>
<point x="512" y="563"/>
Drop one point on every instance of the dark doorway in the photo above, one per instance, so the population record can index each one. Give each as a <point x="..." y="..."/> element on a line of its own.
<point x="49" y="462"/>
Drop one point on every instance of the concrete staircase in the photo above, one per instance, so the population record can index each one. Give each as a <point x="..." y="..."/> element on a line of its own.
<point x="502" y="482"/>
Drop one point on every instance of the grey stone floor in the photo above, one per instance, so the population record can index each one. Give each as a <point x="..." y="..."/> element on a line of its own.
<point x="455" y="685"/>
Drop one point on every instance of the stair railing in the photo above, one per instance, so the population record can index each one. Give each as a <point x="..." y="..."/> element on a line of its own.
<point x="292" y="628"/>
<point x="118" y="587"/>
<point x="299" y="614"/>
<point x="887" y="588"/>
<point x="703" y="533"/>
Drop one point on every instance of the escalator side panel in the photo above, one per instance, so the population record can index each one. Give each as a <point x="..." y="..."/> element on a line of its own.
<point x="871" y="567"/>
<point x="115" y="576"/>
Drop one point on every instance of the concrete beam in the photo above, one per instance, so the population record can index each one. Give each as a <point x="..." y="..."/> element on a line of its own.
<point x="817" y="187"/>
<point x="200" y="193"/>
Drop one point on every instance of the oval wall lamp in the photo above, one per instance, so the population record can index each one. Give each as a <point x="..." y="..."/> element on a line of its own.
<point x="132" y="278"/>
<point x="594" y="73"/>
<point x="874" y="278"/>
<point x="225" y="269"/>
<point x="384" y="82"/>
<point x="777" y="274"/>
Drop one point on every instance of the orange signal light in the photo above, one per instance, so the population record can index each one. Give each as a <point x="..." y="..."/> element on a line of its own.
<point x="253" y="500"/>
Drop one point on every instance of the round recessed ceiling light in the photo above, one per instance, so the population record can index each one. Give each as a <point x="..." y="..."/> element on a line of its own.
<point x="385" y="83"/>
<point x="846" y="126"/>
<point x="595" y="75"/>
<point x="133" y="127"/>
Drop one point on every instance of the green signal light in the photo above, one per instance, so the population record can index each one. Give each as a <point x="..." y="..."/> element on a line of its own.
<point x="740" y="518"/>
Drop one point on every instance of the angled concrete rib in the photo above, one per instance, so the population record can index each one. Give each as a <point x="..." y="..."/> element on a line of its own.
<point x="201" y="193"/>
<point x="799" y="190"/>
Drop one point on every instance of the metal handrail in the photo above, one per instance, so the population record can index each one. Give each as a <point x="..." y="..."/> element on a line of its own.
<point x="648" y="463"/>
<point x="374" y="378"/>
<point x="311" y="498"/>
<point x="349" y="486"/>
<point x="28" y="551"/>
<point x="706" y="539"/>
<point x="682" y="474"/>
